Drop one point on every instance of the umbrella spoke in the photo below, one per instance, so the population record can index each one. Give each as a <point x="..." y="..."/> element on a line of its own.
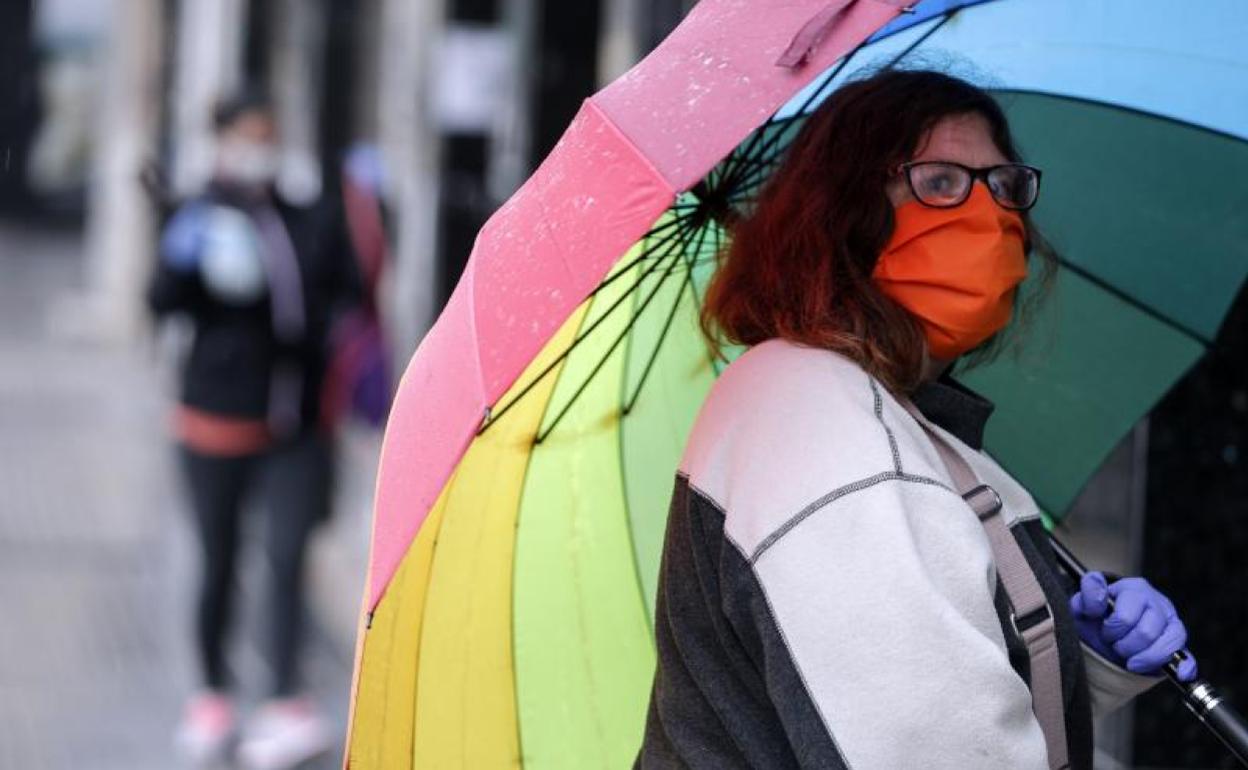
<point x="1143" y="307"/>
<point x="922" y="38"/>
<point x="747" y="152"/>
<point x="653" y="231"/>
<point x="697" y="259"/>
<point x="752" y="164"/>
<point x="754" y="177"/>
<point x="667" y="325"/>
<point x="544" y="433"/>
<point x="628" y="348"/>
<point x="493" y="416"/>
<point x="823" y="89"/>
<point x="716" y="252"/>
<point x="763" y="152"/>
<point x="752" y="148"/>
<point x="774" y="138"/>
<point x="711" y="356"/>
<point x="646" y="253"/>
<point x="676" y="224"/>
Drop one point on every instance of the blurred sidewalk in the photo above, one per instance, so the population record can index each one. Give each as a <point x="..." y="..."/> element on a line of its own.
<point x="96" y="558"/>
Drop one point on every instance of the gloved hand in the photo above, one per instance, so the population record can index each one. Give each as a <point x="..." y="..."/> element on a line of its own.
<point x="1140" y="634"/>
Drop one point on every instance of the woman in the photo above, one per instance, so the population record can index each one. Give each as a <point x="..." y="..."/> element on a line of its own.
<point x="825" y="598"/>
<point x="260" y="280"/>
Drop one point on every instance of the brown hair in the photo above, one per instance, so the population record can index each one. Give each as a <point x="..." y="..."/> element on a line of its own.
<point x="799" y="266"/>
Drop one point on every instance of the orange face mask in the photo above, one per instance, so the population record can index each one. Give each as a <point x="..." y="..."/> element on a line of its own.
<point x="955" y="269"/>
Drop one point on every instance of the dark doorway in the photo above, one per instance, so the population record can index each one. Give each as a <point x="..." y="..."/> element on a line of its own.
<point x="1196" y="541"/>
<point x="18" y="103"/>
<point x="567" y="67"/>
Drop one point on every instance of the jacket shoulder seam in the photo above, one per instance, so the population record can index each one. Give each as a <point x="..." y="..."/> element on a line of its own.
<point x="878" y="406"/>
<point x="834" y="495"/>
<point x="711" y="501"/>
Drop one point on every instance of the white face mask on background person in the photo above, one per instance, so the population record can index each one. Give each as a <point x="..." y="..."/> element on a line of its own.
<point x="247" y="162"/>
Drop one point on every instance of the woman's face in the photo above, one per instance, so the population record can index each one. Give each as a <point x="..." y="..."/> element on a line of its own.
<point x="964" y="139"/>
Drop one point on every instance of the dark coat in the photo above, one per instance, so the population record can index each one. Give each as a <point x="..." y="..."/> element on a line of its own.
<point x="230" y="366"/>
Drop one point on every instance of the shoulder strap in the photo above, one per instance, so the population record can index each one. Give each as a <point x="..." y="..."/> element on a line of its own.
<point x="1030" y="614"/>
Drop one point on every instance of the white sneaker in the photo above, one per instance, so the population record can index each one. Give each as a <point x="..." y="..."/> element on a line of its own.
<point x="207" y="725"/>
<point x="284" y="733"/>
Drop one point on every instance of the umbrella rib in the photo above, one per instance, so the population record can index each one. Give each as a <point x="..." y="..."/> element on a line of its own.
<point x="753" y="164"/>
<point x="654" y="354"/>
<point x="827" y="81"/>
<point x="691" y="263"/>
<point x="735" y="159"/>
<point x="922" y="38"/>
<point x="646" y="253"/>
<point x="1119" y="107"/>
<point x="621" y="455"/>
<point x="660" y="228"/>
<point x="667" y="325"/>
<point x="754" y="153"/>
<point x="543" y="434"/>
<point x="712" y="356"/>
<point x="775" y="137"/>
<point x="700" y="260"/>
<point x="750" y="165"/>
<point x="1143" y="307"/>
<point x="751" y="156"/>
<point x="755" y="176"/>
<point x="494" y="416"/>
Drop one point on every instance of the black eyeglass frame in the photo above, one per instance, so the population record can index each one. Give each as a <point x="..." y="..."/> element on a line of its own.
<point x="975" y="173"/>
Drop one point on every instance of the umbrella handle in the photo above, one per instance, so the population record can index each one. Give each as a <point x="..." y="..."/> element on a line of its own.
<point x="1199" y="696"/>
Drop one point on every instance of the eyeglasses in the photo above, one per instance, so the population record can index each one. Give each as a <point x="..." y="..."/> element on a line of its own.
<point x="943" y="184"/>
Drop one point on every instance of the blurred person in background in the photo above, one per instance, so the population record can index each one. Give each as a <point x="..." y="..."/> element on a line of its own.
<point x="358" y="381"/>
<point x="261" y="281"/>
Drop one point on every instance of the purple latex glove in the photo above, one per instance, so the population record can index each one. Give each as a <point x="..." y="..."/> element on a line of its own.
<point x="1140" y="634"/>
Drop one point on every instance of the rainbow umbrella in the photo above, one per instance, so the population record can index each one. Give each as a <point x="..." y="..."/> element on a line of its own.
<point x="528" y="463"/>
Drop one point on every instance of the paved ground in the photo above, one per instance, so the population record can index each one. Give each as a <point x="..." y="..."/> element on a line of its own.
<point x="96" y="561"/>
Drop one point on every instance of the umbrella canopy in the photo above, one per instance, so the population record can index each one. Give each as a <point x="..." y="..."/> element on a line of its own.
<point x="516" y="550"/>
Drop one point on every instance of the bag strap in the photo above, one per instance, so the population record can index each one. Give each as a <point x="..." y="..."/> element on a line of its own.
<point x="1030" y="613"/>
